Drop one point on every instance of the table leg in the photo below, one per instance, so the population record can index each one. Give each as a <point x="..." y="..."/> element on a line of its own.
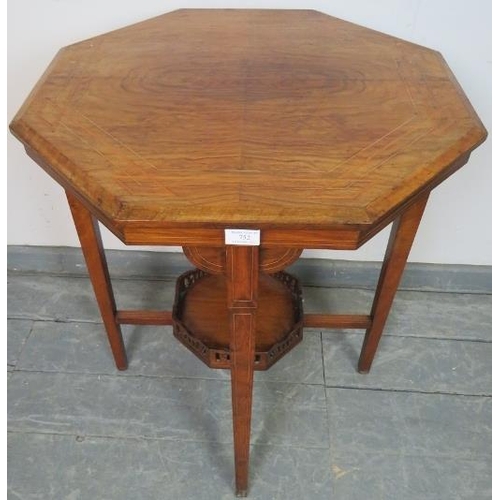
<point x="242" y="284"/>
<point x="89" y="234"/>
<point x="401" y="239"/>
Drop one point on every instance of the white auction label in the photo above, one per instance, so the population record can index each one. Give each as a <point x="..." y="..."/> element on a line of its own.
<point x="248" y="237"/>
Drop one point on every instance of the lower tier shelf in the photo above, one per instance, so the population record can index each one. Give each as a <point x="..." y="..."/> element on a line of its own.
<point x="201" y="319"/>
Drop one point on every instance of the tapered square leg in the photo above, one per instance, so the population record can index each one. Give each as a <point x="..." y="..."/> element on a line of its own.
<point x="401" y="239"/>
<point x="242" y="285"/>
<point x="89" y="234"/>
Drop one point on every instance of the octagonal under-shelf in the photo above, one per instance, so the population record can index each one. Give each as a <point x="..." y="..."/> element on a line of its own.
<point x="201" y="318"/>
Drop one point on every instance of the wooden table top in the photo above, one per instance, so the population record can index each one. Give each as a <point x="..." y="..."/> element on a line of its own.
<point x="253" y="118"/>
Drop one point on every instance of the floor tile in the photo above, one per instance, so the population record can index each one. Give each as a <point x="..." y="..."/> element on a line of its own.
<point x="153" y="351"/>
<point x="183" y="409"/>
<point x="387" y="445"/>
<point x="413" y="364"/>
<point x="395" y="433"/>
<point x="442" y="315"/>
<point x="337" y="300"/>
<point x="303" y="364"/>
<point x="50" y="297"/>
<point x="360" y="476"/>
<point x="410" y="424"/>
<point x="113" y="469"/>
<point x="413" y="314"/>
<point x="72" y="299"/>
<point x="17" y="333"/>
<point x="419" y="314"/>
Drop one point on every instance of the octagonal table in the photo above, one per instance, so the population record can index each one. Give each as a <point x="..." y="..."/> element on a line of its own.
<point x="247" y="136"/>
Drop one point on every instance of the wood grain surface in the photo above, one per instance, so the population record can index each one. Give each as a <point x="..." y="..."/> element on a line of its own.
<point x="242" y="295"/>
<point x="273" y="119"/>
<point x="403" y="233"/>
<point x="205" y="312"/>
<point x="213" y="259"/>
<point x="89" y="235"/>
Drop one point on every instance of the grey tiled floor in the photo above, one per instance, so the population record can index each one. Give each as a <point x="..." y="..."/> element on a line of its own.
<point x="417" y="427"/>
